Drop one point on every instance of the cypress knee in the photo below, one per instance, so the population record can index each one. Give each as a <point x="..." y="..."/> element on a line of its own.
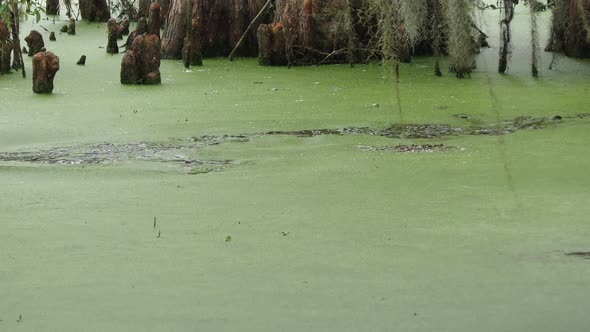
<point x="140" y="30"/>
<point x="112" y="47"/>
<point x="45" y="66"/>
<point x="154" y="20"/>
<point x="141" y="63"/>
<point x="72" y="26"/>
<point x="34" y="42"/>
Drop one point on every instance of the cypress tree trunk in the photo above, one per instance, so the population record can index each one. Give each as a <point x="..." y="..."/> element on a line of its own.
<point x="5" y="49"/>
<point x="507" y="13"/>
<point x="144" y="6"/>
<point x="52" y="7"/>
<point x="174" y="32"/>
<point x="219" y="23"/>
<point x="534" y="39"/>
<point x="17" y="56"/>
<point x="94" y="10"/>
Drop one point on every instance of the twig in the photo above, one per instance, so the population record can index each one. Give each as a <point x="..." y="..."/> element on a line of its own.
<point x="331" y="55"/>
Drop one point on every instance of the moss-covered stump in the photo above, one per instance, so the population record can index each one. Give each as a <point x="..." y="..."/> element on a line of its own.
<point x="45" y="66"/>
<point x="141" y="63"/>
<point x="35" y="42"/>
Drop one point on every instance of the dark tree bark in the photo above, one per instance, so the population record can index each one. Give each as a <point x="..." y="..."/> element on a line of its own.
<point x="191" y="52"/>
<point x="174" y="32"/>
<point x="143" y="8"/>
<point x="52" y="7"/>
<point x="154" y="20"/>
<point x="17" y="56"/>
<point x="271" y="45"/>
<point x="508" y="15"/>
<point x="220" y="23"/>
<point x="5" y="49"/>
<point x="577" y="32"/>
<point x="94" y="10"/>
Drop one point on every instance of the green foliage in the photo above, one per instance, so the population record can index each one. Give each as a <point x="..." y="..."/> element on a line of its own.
<point x="27" y="8"/>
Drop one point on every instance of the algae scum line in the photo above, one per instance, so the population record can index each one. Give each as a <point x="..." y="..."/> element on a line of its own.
<point x="180" y="151"/>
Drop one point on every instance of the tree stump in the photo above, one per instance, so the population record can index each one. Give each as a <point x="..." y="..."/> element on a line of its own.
<point x="72" y="26"/>
<point x="5" y="49"/>
<point x="45" y="66"/>
<point x="112" y="46"/>
<point x="141" y="63"/>
<point x="34" y="42"/>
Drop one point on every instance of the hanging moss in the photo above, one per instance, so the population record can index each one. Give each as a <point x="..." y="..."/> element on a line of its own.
<point x="458" y="15"/>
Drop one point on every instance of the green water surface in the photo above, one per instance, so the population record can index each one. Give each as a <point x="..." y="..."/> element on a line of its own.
<point x="301" y="234"/>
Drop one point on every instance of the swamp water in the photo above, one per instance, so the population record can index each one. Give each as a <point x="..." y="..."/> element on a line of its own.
<point x="235" y="197"/>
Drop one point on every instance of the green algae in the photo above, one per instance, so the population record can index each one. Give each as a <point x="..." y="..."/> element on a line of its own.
<point x="376" y="240"/>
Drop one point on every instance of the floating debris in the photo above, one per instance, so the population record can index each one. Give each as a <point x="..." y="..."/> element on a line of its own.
<point x="411" y="148"/>
<point x="583" y="254"/>
<point x="433" y="130"/>
<point x="182" y="155"/>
